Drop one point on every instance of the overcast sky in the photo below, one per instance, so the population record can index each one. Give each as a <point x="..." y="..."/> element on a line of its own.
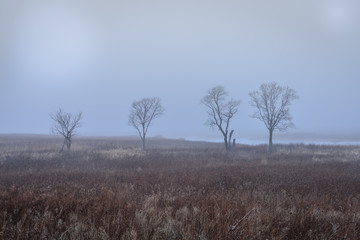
<point x="99" y="56"/>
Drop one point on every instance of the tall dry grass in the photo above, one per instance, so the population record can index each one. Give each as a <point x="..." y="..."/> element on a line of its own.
<point x="109" y="189"/>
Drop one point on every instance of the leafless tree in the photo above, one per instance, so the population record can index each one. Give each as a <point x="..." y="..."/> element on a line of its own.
<point x="220" y="112"/>
<point x="271" y="103"/>
<point x="65" y="124"/>
<point x="142" y="113"/>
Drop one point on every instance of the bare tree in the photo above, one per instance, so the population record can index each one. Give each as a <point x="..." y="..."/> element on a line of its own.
<point x="271" y="105"/>
<point x="65" y="124"/>
<point x="220" y="112"/>
<point x="142" y="113"/>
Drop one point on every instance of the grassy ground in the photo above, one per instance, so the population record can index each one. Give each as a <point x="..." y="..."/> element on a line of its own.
<point x="110" y="189"/>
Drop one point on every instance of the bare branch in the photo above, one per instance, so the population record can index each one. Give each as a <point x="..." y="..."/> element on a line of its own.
<point x="142" y="114"/>
<point x="65" y="124"/>
<point x="271" y="105"/>
<point x="219" y="111"/>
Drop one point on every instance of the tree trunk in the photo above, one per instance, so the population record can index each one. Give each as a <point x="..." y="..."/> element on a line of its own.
<point x="143" y="143"/>
<point x="143" y="136"/>
<point x="229" y="142"/>
<point x="270" y="140"/>
<point x="68" y="145"/>
<point x="226" y="143"/>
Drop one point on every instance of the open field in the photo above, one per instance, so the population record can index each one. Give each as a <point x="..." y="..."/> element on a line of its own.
<point x="110" y="189"/>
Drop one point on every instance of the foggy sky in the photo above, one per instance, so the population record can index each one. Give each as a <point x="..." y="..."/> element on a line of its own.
<point x="99" y="56"/>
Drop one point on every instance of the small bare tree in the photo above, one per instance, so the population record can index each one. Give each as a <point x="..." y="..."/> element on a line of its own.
<point x="271" y="105"/>
<point x="65" y="124"/>
<point x="142" y="113"/>
<point x="220" y="112"/>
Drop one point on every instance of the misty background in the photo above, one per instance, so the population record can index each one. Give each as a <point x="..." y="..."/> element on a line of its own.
<point x="99" y="56"/>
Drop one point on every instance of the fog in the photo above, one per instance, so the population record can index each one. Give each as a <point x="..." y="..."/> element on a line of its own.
<point x="99" y="56"/>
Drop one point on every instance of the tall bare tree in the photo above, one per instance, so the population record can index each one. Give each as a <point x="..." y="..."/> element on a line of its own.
<point x="142" y="113"/>
<point x="272" y="107"/>
<point x="65" y="124"/>
<point x="220" y="112"/>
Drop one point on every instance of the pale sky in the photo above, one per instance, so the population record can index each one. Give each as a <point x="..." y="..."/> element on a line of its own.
<point x="99" y="56"/>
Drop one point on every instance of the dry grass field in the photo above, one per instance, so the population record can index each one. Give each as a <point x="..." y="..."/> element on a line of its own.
<point x="110" y="189"/>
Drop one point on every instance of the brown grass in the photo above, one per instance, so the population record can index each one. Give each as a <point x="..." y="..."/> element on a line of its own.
<point x="108" y="189"/>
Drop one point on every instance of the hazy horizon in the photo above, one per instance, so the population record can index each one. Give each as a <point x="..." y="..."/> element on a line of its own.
<point x="99" y="57"/>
